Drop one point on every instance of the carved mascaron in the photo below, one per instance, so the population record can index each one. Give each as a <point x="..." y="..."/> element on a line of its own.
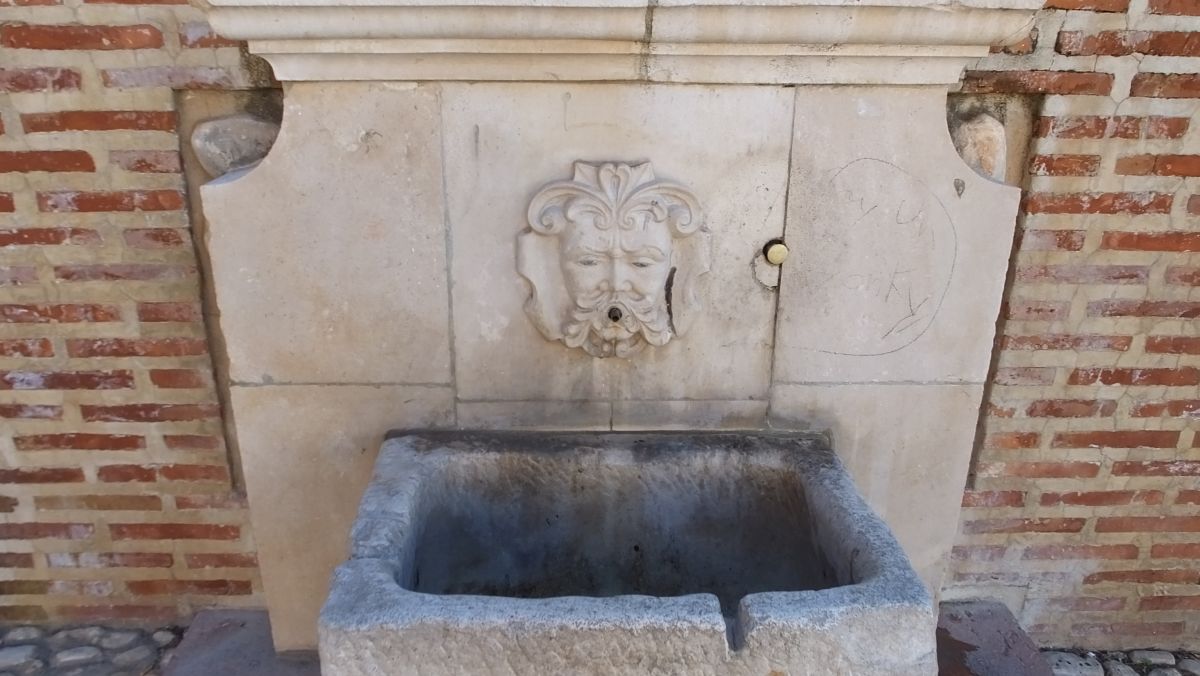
<point x="612" y="258"/>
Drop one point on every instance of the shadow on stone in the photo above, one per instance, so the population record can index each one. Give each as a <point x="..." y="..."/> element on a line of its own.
<point x="982" y="638"/>
<point x="229" y="642"/>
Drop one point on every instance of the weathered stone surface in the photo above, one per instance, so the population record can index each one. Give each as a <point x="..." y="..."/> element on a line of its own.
<point x="141" y="656"/>
<point x="72" y="657"/>
<point x="23" y="635"/>
<point x="981" y="143"/>
<point x="164" y="638"/>
<point x="1158" y="658"/>
<point x="16" y="657"/>
<point x="1189" y="666"/>
<point x="982" y="638"/>
<point x="397" y="602"/>
<point x="1070" y="664"/>
<point x="118" y="640"/>
<point x="1163" y="671"/>
<point x="237" y="643"/>
<point x="233" y="142"/>
<point x="1114" y="668"/>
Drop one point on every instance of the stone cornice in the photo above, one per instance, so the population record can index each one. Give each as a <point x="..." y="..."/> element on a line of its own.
<point x="701" y="41"/>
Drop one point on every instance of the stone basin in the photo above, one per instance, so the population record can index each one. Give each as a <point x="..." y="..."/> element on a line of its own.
<point x="617" y="553"/>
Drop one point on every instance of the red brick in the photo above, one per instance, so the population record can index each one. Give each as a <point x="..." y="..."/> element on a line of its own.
<point x="1101" y="498"/>
<point x="994" y="410"/>
<point x="25" y="161"/>
<point x="174" y="531"/>
<point x="121" y="200"/>
<point x="1098" y="203"/>
<point x="48" y="236"/>
<point x="31" y="411"/>
<point x="6" y="203"/>
<point x="168" y="312"/>
<point x="15" y="560"/>
<point x="1066" y="341"/>
<point x="1024" y="375"/>
<point x="1116" y="439"/>
<point x="28" y="3"/>
<point x="1144" y="308"/>
<point x="1175" y="550"/>
<point x="126" y="474"/>
<point x="1149" y="576"/>
<point x="1188" y="497"/>
<point x="136" y="347"/>
<point x="1173" y="344"/>
<point x="1085" y="603"/>
<point x="1089" y="5"/>
<point x="177" y="378"/>
<point x="154" y="238"/>
<point x="977" y="552"/>
<point x="1182" y="376"/>
<point x="149" y="412"/>
<point x="200" y="34"/>
<point x="1023" y="526"/>
<point x="24" y="587"/>
<point x="1151" y="241"/>
<point x="38" y="79"/>
<point x="1125" y="43"/>
<point x="1090" y="126"/>
<point x="26" y="347"/>
<point x="46" y="531"/>
<point x="146" y="161"/>
<point x="1158" y="165"/>
<point x="221" y="560"/>
<point x="175" y="77"/>
<point x="1156" y="468"/>
<point x="140" y="272"/>
<point x="993" y="499"/>
<point x="136" y="2"/>
<point x="1178" y="408"/>
<point x="1039" y="470"/>
<point x="1160" y="127"/>
<point x="155" y="615"/>
<point x="1083" y="274"/>
<point x="1169" y="603"/>
<point x="1012" y="440"/>
<point x="41" y="475"/>
<point x="1166" y="85"/>
<point x="1129" y="629"/>
<point x="1064" y="165"/>
<point x="191" y="442"/>
<point x="99" y="120"/>
<point x="204" y="587"/>
<point x="1037" y="82"/>
<point x="211" y="501"/>
<point x="26" y="36"/>
<point x="180" y="472"/>
<point x="8" y="504"/>
<point x="1036" y="310"/>
<point x="110" y="560"/>
<point x="1174" y="7"/>
<point x="15" y="276"/>
<point x="1051" y="240"/>
<point x="1071" y="408"/>
<point x="1058" y="552"/>
<point x="1148" y="524"/>
<point x="66" y="380"/>
<point x="1182" y="276"/>
<point x="1193" y="205"/>
<point x="80" y="440"/>
<point x="23" y="614"/>
<point x="139" y="503"/>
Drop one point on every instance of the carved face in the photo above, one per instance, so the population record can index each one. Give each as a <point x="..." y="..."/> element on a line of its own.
<point x="617" y="233"/>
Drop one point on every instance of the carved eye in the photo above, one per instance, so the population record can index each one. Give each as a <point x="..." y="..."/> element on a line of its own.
<point x="643" y="263"/>
<point x="588" y="262"/>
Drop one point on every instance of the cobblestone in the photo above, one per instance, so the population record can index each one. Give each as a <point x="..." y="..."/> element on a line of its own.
<point x="90" y="650"/>
<point x="1146" y="662"/>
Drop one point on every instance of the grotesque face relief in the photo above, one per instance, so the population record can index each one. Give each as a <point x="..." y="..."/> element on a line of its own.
<point x="612" y="257"/>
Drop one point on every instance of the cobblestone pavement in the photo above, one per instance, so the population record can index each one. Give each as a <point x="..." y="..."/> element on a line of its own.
<point x="85" y="651"/>
<point x="1131" y="663"/>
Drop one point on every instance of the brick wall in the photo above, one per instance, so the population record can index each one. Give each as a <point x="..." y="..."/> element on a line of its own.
<point x="1085" y="505"/>
<point x="115" y="490"/>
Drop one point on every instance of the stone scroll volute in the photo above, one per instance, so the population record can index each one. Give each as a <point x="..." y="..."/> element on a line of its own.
<point x="613" y="258"/>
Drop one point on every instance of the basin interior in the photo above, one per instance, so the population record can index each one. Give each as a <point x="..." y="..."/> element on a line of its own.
<point x="583" y="522"/>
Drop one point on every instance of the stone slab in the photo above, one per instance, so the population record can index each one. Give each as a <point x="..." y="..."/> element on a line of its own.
<point x="323" y="284"/>
<point x="307" y="453"/>
<point x="727" y="145"/>
<point x="900" y="250"/>
<point x="982" y="638"/>
<point x="908" y="448"/>
<point x="235" y="642"/>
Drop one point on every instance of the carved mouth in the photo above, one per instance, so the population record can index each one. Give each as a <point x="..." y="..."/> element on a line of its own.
<point x="614" y="314"/>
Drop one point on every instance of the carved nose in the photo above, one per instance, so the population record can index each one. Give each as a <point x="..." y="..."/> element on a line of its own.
<point x="614" y="313"/>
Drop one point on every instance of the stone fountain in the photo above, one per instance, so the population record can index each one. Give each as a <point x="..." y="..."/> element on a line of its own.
<point x="610" y="216"/>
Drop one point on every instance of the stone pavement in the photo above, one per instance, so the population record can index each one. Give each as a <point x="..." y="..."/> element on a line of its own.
<point x="85" y="651"/>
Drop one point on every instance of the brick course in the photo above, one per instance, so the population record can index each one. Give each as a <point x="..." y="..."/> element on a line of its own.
<point x="1083" y="501"/>
<point x="111" y="433"/>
